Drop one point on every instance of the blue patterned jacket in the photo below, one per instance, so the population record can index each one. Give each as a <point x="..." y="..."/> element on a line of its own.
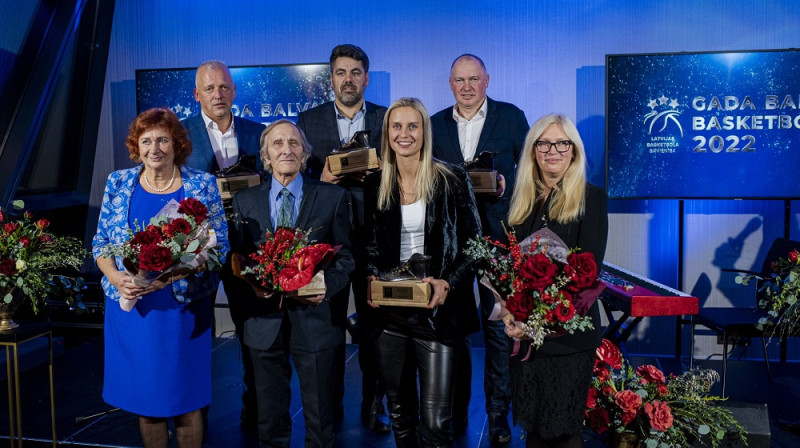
<point x="112" y="226"/>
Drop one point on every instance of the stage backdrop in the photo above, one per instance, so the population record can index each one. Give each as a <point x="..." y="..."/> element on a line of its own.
<point x="703" y="125"/>
<point x="264" y="93"/>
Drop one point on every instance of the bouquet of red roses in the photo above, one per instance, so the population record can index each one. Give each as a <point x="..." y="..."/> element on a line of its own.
<point x="176" y="241"/>
<point x="547" y="288"/>
<point x="655" y="410"/>
<point x="286" y="261"/>
<point x="781" y="292"/>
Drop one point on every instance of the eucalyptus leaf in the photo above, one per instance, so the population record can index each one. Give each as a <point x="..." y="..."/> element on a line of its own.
<point x="720" y="434"/>
<point x="8" y="298"/>
<point x="187" y="258"/>
<point x="20" y="282"/>
<point x="703" y="430"/>
<point x="650" y="443"/>
<point x="193" y="246"/>
<point x="18" y="204"/>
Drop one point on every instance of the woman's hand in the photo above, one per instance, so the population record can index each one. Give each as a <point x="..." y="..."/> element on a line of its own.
<point x="124" y="285"/>
<point x="370" y="279"/>
<point x="512" y="329"/>
<point x="440" y="290"/>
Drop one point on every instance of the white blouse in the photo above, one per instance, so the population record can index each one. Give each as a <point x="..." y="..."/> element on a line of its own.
<point x="412" y="230"/>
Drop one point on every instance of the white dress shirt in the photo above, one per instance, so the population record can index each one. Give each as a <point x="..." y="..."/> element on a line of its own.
<point x="226" y="147"/>
<point x="469" y="131"/>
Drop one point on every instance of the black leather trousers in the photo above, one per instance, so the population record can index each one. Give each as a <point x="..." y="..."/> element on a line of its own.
<point x="424" y="419"/>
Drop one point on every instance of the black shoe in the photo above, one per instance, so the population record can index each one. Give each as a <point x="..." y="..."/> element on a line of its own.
<point x="375" y="418"/>
<point x="499" y="431"/>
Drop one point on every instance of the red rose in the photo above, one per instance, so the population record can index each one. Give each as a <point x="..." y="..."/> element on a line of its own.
<point x="662" y="390"/>
<point x="547" y="298"/>
<point x="597" y="419"/>
<point x="8" y="267"/>
<point x="10" y="227"/>
<point x="565" y="311"/>
<point x="25" y="242"/>
<point x="1" y="216"/>
<point x="610" y="353"/>
<point x="538" y="271"/>
<point x="155" y="258"/>
<point x="520" y="305"/>
<point x="650" y="374"/>
<point x="660" y="415"/>
<point x="176" y="226"/>
<point x="42" y="223"/>
<point x="607" y="391"/>
<point x="793" y="256"/>
<point x="591" y="400"/>
<point x="601" y="372"/>
<point x="585" y="269"/>
<point x="195" y="208"/>
<point x="148" y="236"/>
<point x="628" y="400"/>
<point x="627" y="417"/>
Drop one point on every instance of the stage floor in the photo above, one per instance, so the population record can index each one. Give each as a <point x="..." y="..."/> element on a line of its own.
<point x="78" y="387"/>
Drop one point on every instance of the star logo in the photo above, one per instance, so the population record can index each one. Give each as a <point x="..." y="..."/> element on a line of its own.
<point x="663" y="110"/>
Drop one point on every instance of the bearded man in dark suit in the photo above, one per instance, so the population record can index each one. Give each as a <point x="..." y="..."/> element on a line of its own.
<point x="327" y="127"/>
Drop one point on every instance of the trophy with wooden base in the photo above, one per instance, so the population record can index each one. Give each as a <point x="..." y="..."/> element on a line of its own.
<point x="482" y="173"/>
<point x="355" y="155"/>
<point x="403" y="285"/>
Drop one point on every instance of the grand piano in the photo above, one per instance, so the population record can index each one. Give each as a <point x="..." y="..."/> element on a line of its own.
<point x="637" y="297"/>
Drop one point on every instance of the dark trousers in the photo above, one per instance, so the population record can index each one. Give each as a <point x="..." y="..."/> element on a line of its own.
<point x="273" y="374"/>
<point x="496" y="379"/>
<point x="400" y="359"/>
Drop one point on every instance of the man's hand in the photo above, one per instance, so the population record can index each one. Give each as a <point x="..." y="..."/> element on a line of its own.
<point x="310" y="300"/>
<point x="501" y="186"/>
<point x="327" y="176"/>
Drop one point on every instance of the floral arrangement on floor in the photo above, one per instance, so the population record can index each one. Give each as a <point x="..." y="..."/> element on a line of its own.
<point x="547" y="288"/>
<point x="780" y="295"/>
<point x="29" y="255"/>
<point x="177" y="240"/>
<point x="286" y="261"/>
<point x="661" y="412"/>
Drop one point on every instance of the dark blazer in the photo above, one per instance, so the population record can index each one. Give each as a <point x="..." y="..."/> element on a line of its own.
<point x="319" y="125"/>
<point x="451" y="219"/>
<point x="324" y="211"/>
<point x="590" y="234"/>
<point x="248" y="134"/>
<point x="504" y="133"/>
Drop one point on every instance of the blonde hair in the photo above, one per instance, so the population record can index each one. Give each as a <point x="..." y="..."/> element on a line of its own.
<point x="264" y="144"/>
<point x="430" y="172"/>
<point x="567" y="202"/>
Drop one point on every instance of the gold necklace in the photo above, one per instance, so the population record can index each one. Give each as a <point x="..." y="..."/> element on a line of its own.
<point x="160" y="190"/>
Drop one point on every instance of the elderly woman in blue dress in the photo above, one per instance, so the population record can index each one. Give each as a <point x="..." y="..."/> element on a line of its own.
<point x="158" y="355"/>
